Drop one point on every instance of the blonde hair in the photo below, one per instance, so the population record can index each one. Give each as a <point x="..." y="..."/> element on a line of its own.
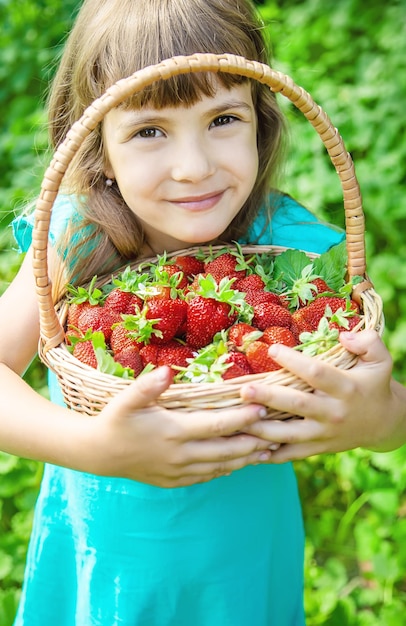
<point x="110" y="40"/>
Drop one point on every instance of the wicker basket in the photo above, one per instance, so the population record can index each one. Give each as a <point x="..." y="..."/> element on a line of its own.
<point x="87" y="390"/>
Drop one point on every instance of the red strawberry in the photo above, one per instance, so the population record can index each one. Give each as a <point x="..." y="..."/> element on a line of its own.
<point x="279" y="334"/>
<point x="268" y="314"/>
<point x="122" y="337"/>
<point x="310" y="291"/>
<point x="175" y="270"/>
<point x="194" y="285"/>
<point x="84" y="351"/>
<point x="238" y="332"/>
<point x="170" y="315"/>
<point x="321" y="285"/>
<point x="257" y="357"/>
<point x="174" y="353"/>
<point x="80" y="298"/>
<point x="122" y="301"/>
<point x="252" y="282"/>
<point x="97" y="318"/>
<point x="240" y="366"/>
<point x="206" y="317"/>
<point x="190" y="265"/>
<point x="255" y="296"/>
<point x="224" y="266"/>
<point x="130" y="357"/>
<point x="351" y="323"/>
<point x="313" y="312"/>
<point x="299" y="324"/>
<point x="344" y="318"/>
<point x="149" y="354"/>
<point x="74" y="311"/>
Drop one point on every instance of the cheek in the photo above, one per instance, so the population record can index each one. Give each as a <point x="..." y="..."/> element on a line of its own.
<point x="250" y="165"/>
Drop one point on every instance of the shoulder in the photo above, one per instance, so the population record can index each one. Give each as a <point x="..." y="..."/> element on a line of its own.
<point x="293" y="226"/>
<point x="65" y="207"/>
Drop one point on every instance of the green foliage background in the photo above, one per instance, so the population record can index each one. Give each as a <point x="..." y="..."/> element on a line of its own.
<point x="350" y="55"/>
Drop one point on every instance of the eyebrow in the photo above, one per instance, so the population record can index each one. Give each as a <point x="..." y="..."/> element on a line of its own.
<point x="142" y="117"/>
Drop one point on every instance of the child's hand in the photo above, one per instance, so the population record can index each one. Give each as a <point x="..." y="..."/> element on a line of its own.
<point x="362" y="406"/>
<point x="135" y="438"/>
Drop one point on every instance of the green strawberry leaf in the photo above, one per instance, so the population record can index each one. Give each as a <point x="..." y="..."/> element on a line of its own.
<point x="289" y="265"/>
<point x="332" y="266"/>
<point x="318" y="341"/>
<point x="105" y="362"/>
<point x="209" y="363"/>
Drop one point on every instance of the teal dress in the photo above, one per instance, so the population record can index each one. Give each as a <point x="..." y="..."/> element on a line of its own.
<point x="114" y="552"/>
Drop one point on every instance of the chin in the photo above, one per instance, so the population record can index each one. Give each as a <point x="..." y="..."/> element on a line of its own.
<point x="203" y="238"/>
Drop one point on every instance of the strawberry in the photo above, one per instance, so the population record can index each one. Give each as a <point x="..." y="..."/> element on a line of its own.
<point x="174" y="353"/>
<point x="255" y="296"/>
<point x="190" y="265"/>
<point x="74" y="311"/>
<point x="167" y="278"/>
<point x="195" y="284"/>
<point x="149" y="354"/>
<point x="306" y="288"/>
<point x="215" y="307"/>
<point x="300" y="324"/>
<point x="98" y="318"/>
<point x="240" y="331"/>
<point x="279" y="334"/>
<point x="174" y="272"/>
<point x="130" y="357"/>
<point x="206" y="317"/>
<point x="321" y="285"/>
<point x="252" y="282"/>
<point x="124" y="334"/>
<point x="224" y="266"/>
<point x="239" y="366"/>
<point x="80" y="298"/>
<point x="170" y="315"/>
<point x="258" y="358"/>
<point x="343" y="318"/>
<point x="84" y="351"/>
<point x="122" y="301"/>
<point x="268" y="314"/>
<point x="313" y="312"/>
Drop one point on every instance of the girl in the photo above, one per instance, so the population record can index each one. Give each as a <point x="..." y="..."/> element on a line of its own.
<point x="186" y="162"/>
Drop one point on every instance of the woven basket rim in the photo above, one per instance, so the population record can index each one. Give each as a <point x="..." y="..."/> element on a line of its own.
<point x="189" y="396"/>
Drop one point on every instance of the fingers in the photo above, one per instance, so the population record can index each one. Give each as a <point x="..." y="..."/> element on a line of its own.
<point x="285" y="399"/>
<point x="226" y="449"/>
<point x="290" y="431"/>
<point x="296" y="452"/>
<point x="368" y="345"/>
<point x="318" y="374"/>
<point x="142" y="392"/>
<point x="211" y="424"/>
<point x="214" y="470"/>
<point x="223" y="461"/>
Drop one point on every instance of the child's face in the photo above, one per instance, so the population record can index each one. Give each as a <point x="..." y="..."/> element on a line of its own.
<point x="185" y="171"/>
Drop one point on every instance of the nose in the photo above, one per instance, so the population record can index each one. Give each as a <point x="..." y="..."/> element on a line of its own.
<point x="193" y="161"/>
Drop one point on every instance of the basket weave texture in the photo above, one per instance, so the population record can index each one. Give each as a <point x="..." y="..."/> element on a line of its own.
<point x="87" y="390"/>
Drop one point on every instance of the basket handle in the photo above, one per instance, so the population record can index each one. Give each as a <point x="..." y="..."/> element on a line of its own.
<point x="52" y="333"/>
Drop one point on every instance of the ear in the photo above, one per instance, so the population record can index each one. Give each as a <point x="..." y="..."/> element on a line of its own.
<point x="108" y="171"/>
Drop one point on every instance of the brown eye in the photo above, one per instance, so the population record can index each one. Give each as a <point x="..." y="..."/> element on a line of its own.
<point x="148" y="133"/>
<point x="223" y="120"/>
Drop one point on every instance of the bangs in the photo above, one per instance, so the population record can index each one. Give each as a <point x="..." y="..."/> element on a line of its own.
<point x="182" y="90"/>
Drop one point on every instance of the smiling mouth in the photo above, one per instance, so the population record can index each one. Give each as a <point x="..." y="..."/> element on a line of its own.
<point x="199" y="203"/>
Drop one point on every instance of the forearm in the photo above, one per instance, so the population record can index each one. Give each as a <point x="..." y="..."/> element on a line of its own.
<point x="33" y="427"/>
